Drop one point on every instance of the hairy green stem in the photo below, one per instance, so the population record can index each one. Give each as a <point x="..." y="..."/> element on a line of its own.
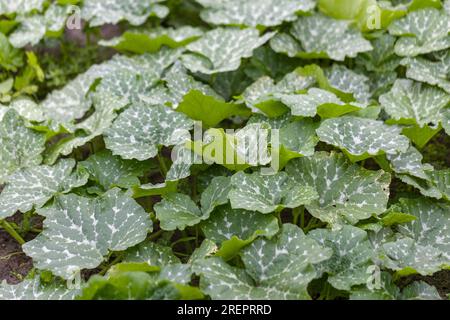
<point x="299" y="213"/>
<point x="112" y="263"/>
<point x="12" y="232"/>
<point x="186" y="240"/>
<point x="155" y="235"/>
<point x="313" y="222"/>
<point x="162" y="165"/>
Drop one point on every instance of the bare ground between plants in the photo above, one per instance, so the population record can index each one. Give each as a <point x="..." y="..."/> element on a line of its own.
<point x="14" y="264"/>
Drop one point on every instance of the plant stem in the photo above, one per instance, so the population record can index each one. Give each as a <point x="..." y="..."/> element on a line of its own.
<point x="162" y="165"/>
<point x="196" y="236"/>
<point x="181" y="254"/>
<point x="302" y="218"/>
<point x="194" y="187"/>
<point x="278" y="215"/>
<point x="188" y="242"/>
<point x="325" y="292"/>
<point x="26" y="225"/>
<point x="155" y="235"/>
<point x="112" y="263"/>
<point x="185" y="239"/>
<point x="296" y="213"/>
<point x="311" y="224"/>
<point x="12" y="232"/>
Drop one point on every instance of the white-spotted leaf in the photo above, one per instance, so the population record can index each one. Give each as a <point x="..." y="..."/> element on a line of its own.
<point x="79" y="232"/>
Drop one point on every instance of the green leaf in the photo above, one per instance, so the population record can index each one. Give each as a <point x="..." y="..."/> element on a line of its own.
<point x="106" y="108"/>
<point x="128" y="85"/>
<point x="420" y="290"/>
<point x="112" y="171"/>
<point x="317" y="101"/>
<point x="417" y="290"/>
<point x="349" y="82"/>
<point x="160" y="256"/>
<point x="431" y="226"/>
<point x="35" y="289"/>
<point x="268" y="193"/>
<point x="136" y="12"/>
<point x="20" y="6"/>
<point x="221" y="50"/>
<point x="235" y="229"/>
<point x="10" y="57"/>
<point x="208" y="109"/>
<point x="32" y="72"/>
<point x="215" y="194"/>
<point x="416" y="102"/>
<point x="393" y="218"/>
<point x="409" y="162"/>
<point x="446" y="121"/>
<point x="237" y="151"/>
<point x="421" y="136"/>
<point x="33" y="28"/>
<point x="30" y="31"/>
<point x="7" y="25"/>
<point x="6" y="86"/>
<point x="423" y="244"/>
<point x="420" y="4"/>
<point x="316" y="73"/>
<point x="33" y="187"/>
<point x="382" y="58"/>
<point x="387" y="290"/>
<point x="280" y="268"/>
<point x="406" y="257"/>
<point x="368" y="14"/>
<point x="182" y="160"/>
<point x="137" y="285"/>
<point x="26" y="108"/>
<point x="21" y="147"/>
<point x="72" y="101"/>
<point x="267" y="13"/>
<point x="265" y="95"/>
<point x="140" y="130"/>
<point x="422" y="31"/>
<point x="434" y="73"/>
<point x="351" y="257"/>
<point x="141" y="41"/>
<point x="206" y="249"/>
<point x="178" y="83"/>
<point x="156" y="189"/>
<point x="318" y="36"/>
<point x="79" y="232"/>
<point x="178" y="211"/>
<point x="347" y="192"/>
<point x="299" y="137"/>
<point x="362" y="137"/>
<point x="151" y="253"/>
<point x="433" y="186"/>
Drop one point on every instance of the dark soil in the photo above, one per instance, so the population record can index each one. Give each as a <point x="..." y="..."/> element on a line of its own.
<point x="14" y="264"/>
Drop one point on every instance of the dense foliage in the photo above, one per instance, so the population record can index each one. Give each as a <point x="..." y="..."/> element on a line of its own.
<point x="352" y="97"/>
